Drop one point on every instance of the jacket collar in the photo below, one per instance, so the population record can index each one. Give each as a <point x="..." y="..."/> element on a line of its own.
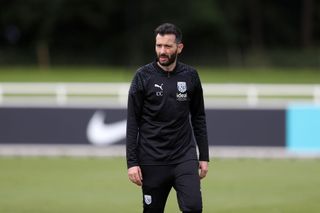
<point x="160" y="70"/>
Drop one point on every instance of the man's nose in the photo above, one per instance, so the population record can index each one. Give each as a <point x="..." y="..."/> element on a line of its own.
<point x="162" y="50"/>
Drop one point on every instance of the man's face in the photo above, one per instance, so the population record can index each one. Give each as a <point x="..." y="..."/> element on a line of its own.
<point x="167" y="49"/>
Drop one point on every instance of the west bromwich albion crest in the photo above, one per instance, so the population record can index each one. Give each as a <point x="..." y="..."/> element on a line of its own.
<point x="148" y="199"/>
<point x="182" y="86"/>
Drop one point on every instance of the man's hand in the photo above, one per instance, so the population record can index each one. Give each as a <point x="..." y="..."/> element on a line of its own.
<point x="203" y="167"/>
<point x="135" y="175"/>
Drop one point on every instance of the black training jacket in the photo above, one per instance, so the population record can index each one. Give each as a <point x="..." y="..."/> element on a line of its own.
<point x="165" y="111"/>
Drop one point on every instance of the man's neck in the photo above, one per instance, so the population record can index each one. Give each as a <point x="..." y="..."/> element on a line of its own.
<point x="168" y="68"/>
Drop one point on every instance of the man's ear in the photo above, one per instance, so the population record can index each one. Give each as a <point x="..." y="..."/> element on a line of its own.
<point x="180" y="47"/>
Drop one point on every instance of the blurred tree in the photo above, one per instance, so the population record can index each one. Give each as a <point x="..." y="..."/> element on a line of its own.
<point x="307" y="23"/>
<point x="44" y="33"/>
<point x="36" y="21"/>
<point x="121" y="31"/>
<point x="256" y="15"/>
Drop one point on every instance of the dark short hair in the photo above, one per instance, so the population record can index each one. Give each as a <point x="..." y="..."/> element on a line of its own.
<point x="168" y="28"/>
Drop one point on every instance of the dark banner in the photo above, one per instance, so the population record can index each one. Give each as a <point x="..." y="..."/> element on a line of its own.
<point x="246" y="127"/>
<point x="226" y="127"/>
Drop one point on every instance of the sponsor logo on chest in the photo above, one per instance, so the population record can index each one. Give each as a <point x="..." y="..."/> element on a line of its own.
<point x="182" y="91"/>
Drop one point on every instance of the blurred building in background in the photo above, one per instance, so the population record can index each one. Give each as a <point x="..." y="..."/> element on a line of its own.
<point x="120" y="32"/>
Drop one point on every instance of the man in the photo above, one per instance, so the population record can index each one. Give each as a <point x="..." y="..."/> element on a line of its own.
<point x="165" y="111"/>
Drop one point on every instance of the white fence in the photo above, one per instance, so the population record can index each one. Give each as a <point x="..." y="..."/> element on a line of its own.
<point x="115" y="94"/>
<point x="261" y="95"/>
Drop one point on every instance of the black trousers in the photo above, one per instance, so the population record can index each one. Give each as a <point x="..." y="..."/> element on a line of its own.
<point x="158" y="181"/>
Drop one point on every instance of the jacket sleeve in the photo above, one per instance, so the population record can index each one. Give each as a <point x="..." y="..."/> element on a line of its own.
<point x="198" y="119"/>
<point x="135" y="101"/>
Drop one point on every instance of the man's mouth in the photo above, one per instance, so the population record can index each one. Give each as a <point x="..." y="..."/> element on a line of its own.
<point x="163" y="57"/>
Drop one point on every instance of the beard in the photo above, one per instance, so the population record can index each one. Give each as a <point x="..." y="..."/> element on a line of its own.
<point x="170" y="59"/>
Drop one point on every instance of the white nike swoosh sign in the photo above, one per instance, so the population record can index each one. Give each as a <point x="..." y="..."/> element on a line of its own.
<point x="100" y="133"/>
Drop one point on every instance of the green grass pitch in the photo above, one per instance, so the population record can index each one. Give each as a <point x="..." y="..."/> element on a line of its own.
<point x="99" y="185"/>
<point x="125" y="74"/>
